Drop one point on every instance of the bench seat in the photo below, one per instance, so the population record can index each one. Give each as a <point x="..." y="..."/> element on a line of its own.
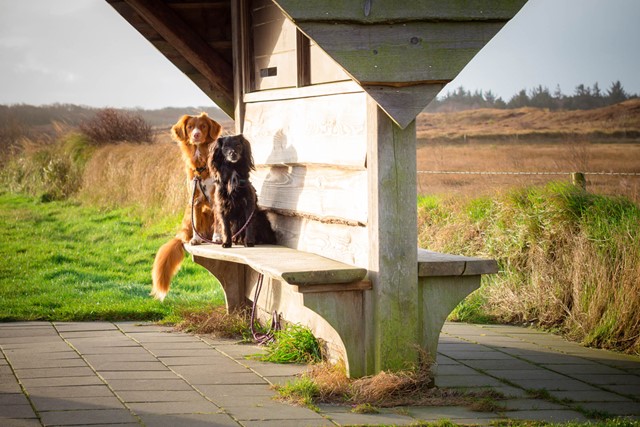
<point x="431" y="264"/>
<point x="306" y="270"/>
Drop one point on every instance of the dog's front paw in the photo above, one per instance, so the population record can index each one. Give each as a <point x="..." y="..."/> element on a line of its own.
<point x="226" y="245"/>
<point x="217" y="238"/>
<point x="195" y="241"/>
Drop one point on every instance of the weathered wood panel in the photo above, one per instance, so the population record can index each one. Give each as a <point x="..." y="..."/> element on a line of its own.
<point x="345" y="243"/>
<point x="319" y="130"/>
<point x="411" y="52"/>
<point x="370" y="11"/>
<point x="403" y="104"/>
<point x="320" y="192"/>
<point x="274" y="47"/>
<point x="323" y="69"/>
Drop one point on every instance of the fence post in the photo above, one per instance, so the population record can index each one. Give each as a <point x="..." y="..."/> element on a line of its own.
<point x="578" y="179"/>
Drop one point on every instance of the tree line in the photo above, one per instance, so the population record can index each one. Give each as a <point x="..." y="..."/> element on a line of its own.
<point x="75" y="115"/>
<point x="583" y="98"/>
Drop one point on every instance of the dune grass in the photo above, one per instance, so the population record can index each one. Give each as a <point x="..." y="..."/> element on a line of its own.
<point x="67" y="262"/>
<point x="569" y="259"/>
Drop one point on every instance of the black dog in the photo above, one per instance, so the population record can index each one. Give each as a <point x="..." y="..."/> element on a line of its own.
<point x="235" y="200"/>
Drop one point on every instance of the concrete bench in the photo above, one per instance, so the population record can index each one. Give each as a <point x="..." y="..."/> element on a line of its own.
<point x="329" y="296"/>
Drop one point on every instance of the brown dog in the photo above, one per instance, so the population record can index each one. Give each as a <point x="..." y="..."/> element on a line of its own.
<point x="194" y="135"/>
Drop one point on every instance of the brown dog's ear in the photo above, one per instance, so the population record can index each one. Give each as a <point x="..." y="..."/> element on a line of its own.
<point x="214" y="129"/>
<point x="179" y="130"/>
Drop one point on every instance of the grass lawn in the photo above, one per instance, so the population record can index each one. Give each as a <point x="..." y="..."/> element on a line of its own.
<point x="68" y="262"/>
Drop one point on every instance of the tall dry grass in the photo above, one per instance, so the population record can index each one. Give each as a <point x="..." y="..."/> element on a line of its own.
<point x="49" y="167"/>
<point x="569" y="260"/>
<point x="149" y="176"/>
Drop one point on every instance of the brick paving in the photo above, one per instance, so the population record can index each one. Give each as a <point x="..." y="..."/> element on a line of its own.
<point x="126" y="374"/>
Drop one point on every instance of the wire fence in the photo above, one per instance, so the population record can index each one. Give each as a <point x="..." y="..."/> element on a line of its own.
<point x="525" y="173"/>
<point x="485" y="182"/>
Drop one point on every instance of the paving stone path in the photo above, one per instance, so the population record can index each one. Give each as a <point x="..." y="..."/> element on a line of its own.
<point x="127" y="374"/>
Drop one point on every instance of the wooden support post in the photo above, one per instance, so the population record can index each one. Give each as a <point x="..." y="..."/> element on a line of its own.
<point x="578" y="179"/>
<point x="392" y="305"/>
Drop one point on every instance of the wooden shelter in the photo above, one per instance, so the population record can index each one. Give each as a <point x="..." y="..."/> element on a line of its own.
<point x="327" y="92"/>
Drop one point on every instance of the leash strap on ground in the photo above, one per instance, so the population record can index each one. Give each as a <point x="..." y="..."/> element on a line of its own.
<point x="269" y="336"/>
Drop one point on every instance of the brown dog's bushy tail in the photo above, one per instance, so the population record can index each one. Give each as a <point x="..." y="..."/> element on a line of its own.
<point x="166" y="265"/>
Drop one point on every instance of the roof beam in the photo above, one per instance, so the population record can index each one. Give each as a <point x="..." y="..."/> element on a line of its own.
<point x="195" y="50"/>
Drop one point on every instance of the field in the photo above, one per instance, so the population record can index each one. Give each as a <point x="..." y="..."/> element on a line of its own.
<point x="555" y="159"/>
<point x="519" y="144"/>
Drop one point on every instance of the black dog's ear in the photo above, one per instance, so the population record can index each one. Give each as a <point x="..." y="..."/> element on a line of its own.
<point x="246" y="154"/>
<point x="215" y="153"/>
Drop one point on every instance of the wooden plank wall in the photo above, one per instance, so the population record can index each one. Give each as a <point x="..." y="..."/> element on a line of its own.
<point x="310" y="156"/>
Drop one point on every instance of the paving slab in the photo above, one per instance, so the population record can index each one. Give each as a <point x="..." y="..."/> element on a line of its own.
<point x="106" y="365"/>
<point x="67" y="403"/>
<point x="84" y="326"/>
<point x="17" y="411"/>
<point x="475" y="380"/>
<point x="270" y="411"/>
<point x="199" y="406"/>
<point x="88" y="417"/>
<point x="64" y="392"/>
<point x="613" y="408"/>
<point x="526" y="374"/>
<point x="190" y="420"/>
<point x="137" y="396"/>
<point x="60" y="381"/>
<point x="453" y="413"/>
<point x="555" y="416"/>
<point x="343" y="416"/>
<point x="21" y="422"/>
<point x="566" y="384"/>
<point x="150" y="384"/>
<point x="137" y="375"/>
<point x="589" y="396"/>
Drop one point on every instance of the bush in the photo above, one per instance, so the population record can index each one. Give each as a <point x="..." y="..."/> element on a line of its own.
<point x="51" y="171"/>
<point x="569" y="260"/>
<point x="110" y="125"/>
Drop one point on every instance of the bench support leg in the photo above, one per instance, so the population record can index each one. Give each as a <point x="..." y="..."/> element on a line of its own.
<point x="438" y="297"/>
<point x="231" y="277"/>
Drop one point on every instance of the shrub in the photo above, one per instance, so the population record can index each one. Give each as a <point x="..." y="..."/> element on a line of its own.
<point x="49" y="170"/>
<point x="110" y="125"/>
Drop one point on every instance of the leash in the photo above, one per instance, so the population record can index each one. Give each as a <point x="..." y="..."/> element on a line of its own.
<point x="269" y="336"/>
<point x="259" y="337"/>
<point x="197" y="183"/>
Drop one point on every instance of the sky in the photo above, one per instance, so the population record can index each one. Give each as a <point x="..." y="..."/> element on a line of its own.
<point x="83" y="52"/>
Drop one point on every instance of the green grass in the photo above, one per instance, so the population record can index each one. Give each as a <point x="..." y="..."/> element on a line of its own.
<point x="293" y="344"/>
<point x="61" y="261"/>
